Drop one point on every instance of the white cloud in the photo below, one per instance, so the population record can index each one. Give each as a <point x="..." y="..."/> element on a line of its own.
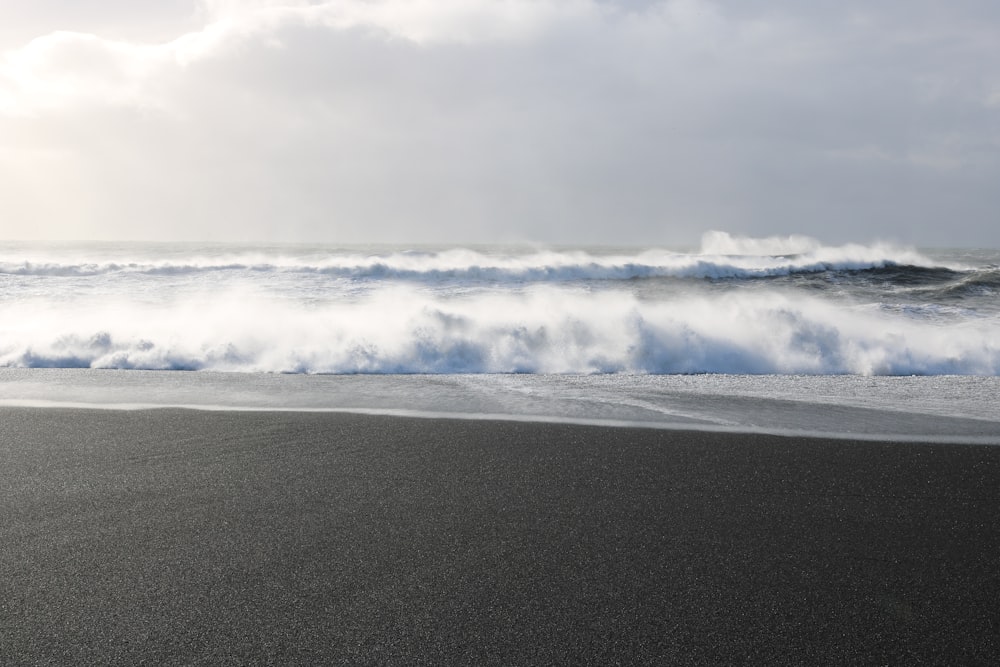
<point x="421" y="21"/>
<point x="481" y="119"/>
<point x="66" y="68"/>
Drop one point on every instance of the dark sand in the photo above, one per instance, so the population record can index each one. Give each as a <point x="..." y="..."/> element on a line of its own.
<point x="184" y="537"/>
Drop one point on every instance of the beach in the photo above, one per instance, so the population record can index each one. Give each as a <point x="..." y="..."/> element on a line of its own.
<point x="173" y="536"/>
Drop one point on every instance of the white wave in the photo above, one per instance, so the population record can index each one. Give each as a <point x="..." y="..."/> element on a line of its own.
<point x="805" y="254"/>
<point x="721" y="256"/>
<point x="724" y="243"/>
<point x="544" y="329"/>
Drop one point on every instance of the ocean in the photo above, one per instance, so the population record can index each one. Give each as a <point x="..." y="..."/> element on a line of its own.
<point x="780" y="334"/>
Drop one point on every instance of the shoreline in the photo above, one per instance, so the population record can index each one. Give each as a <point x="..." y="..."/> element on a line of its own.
<point x="405" y="413"/>
<point x="202" y="537"/>
<point x="955" y="409"/>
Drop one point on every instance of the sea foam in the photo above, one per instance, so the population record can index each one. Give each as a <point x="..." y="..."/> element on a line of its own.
<point x="721" y="256"/>
<point x="760" y="306"/>
<point x="544" y="329"/>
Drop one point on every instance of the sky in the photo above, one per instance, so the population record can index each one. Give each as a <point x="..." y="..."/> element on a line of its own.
<point x="500" y="121"/>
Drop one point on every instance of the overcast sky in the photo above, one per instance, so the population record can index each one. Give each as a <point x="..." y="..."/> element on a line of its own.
<point x="559" y="121"/>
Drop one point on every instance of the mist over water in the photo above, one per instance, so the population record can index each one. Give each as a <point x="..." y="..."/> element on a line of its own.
<point x="744" y="306"/>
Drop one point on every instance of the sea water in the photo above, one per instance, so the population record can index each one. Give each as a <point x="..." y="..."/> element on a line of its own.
<point x="780" y="333"/>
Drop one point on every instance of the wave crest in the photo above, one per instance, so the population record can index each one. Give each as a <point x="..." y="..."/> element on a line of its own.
<point x="721" y="257"/>
<point x="543" y="330"/>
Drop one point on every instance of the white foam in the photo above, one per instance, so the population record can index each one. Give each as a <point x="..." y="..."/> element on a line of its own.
<point x="721" y="256"/>
<point x="316" y="310"/>
<point x="724" y="243"/>
<point x="541" y="329"/>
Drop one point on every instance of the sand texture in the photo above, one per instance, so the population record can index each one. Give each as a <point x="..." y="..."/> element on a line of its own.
<point x="186" y="537"/>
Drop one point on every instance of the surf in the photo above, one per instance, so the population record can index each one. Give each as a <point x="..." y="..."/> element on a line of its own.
<point x="781" y="305"/>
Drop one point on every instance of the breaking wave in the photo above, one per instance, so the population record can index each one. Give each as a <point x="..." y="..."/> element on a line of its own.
<point x="721" y="257"/>
<point x="547" y="329"/>
<point x="736" y="305"/>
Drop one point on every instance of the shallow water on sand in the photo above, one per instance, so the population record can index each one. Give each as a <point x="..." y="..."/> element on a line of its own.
<point x="939" y="408"/>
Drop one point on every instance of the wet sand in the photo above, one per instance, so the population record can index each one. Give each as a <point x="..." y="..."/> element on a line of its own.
<point x="185" y="537"/>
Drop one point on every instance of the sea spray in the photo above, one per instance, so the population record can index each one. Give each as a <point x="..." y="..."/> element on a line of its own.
<point x="761" y="306"/>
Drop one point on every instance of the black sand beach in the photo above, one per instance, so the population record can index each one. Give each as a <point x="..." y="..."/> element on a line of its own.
<point x="185" y="537"/>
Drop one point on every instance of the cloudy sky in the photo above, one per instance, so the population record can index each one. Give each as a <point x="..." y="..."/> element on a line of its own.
<point x="559" y="121"/>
